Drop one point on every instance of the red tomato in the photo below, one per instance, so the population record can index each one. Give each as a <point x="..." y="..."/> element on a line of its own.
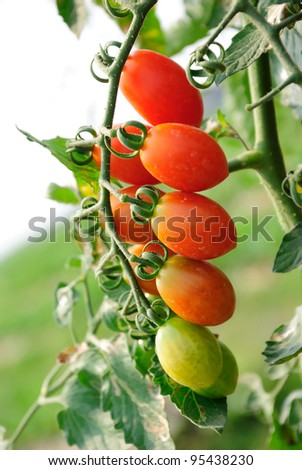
<point x="129" y="170"/>
<point x="193" y="225"/>
<point x="205" y="295"/>
<point x="157" y="87"/>
<point x="128" y="230"/>
<point x="184" y="157"/>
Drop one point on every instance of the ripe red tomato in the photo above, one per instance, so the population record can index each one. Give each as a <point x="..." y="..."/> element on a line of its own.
<point x="129" y="230"/>
<point x="129" y="170"/>
<point x="205" y="295"/>
<point x="193" y="225"/>
<point x="189" y="354"/>
<point x="184" y="157"/>
<point x="157" y="87"/>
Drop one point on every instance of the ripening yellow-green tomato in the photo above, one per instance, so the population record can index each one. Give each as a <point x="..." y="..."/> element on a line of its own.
<point x="189" y="354"/>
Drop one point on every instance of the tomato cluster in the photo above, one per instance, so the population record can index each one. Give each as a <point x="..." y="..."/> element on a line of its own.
<point x="192" y="227"/>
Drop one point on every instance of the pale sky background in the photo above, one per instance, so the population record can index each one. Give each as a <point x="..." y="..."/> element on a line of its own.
<point x="46" y="89"/>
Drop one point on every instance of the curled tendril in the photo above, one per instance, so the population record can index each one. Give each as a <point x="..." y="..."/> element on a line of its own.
<point x="159" y="312"/>
<point x="116" y="11"/>
<point x="204" y="63"/>
<point x="150" y="260"/>
<point x="88" y="227"/>
<point x="104" y="59"/>
<point x="153" y="318"/>
<point x="292" y="186"/>
<point x="110" y="276"/>
<point x="80" y="153"/>
<point x="145" y="324"/>
<point x="142" y="211"/>
<point x="126" y="303"/>
<point x="88" y="129"/>
<point x="78" y="157"/>
<point x="128" y="139"/>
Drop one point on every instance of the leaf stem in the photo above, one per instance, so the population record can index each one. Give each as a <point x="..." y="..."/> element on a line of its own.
<point x="24" y="421"/>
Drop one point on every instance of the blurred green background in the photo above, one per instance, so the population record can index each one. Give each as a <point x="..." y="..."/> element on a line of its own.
<point x="30" y="340"/>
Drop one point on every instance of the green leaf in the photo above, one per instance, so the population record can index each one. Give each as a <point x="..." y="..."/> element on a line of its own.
<point x="57" y="146"/>
<point x="291" y="415"/>
<point x="151" y="35"/>
<point x="111" y="317"/>
<point x="282" y="438"/>
<point x="289" y="255"/>
<point x="286" y="341"/>
<point x="142" y="356"/>
<point x="66" y="297"/>
<point x="135" y="406"/>
<point x="288" y="425"/>
<point x="203" y="412"/>
<point x="184" y="32"/>
<point x="73" y="13"/>
<point x="253" y="397"/>
<point x="62" y="194"/>
<point x="199" y="18"/>
<point x="247" y="46"/>
<point x="83" y="421"/>
<point x="291" y="96"/>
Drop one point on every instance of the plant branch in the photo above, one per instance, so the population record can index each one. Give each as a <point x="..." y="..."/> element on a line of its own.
<point x="23" y="423"/>
<point x="139" y="13"/>
<point x="271" y="168"/>
<point x="247" y="160"/>
<point x="288" y="21"/>
<point x="271" y="33"/>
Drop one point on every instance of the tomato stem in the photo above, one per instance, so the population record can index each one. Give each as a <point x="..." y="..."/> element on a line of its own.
<point x="270" y="166"/>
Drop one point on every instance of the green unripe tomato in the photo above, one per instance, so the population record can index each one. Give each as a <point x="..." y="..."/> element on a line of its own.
<point x="189" y="354"/>
<point x="227" y="380"/>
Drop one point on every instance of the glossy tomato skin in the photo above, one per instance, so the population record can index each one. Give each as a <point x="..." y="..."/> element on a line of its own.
<point x="128" y="170"/>
<point x="184" y="157"/>
<point x="205" y="295"/>
<point x="193" y="225"/>
<point x="189" y="354"/>
<point x="157" y="87"/>
<point x="128" y="230"/>
<point x="227" y="380"/>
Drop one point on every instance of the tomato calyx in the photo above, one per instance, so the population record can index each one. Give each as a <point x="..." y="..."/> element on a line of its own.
<point x="150" y="260"/>
<point x="104" y="60"/>
<point x="129" y="139"/>
<point x="81" y="146"/>
<point x="207" y="65"/>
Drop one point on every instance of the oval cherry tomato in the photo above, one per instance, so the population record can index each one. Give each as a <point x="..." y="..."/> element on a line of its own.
<point x="157" y="87"/>
<point x="184" y="157"/>
<point x="193" y="225"/>
<point x="128" y="170"/>
<point x="189" y="354"/>
<point x="129" y="230"/>
<point x="205" y="295"/>
<point x="227" y="379"/>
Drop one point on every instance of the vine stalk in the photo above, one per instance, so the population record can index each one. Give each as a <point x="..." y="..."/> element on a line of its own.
<point x="270" y="164"/>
